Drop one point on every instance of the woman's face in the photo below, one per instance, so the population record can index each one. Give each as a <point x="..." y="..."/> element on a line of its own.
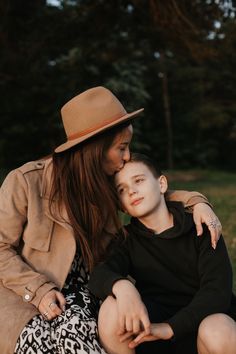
<point x="118" y="153"/>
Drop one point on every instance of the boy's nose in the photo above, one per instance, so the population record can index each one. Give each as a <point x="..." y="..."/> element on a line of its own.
<point x="132" y="191"/>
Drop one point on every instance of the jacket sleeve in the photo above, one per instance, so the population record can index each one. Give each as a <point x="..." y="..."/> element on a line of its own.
<point x="15" y="273"/>
<point x="189" y="199"/>
<point x="215" y="292"/>
<point x="105" y="274"/>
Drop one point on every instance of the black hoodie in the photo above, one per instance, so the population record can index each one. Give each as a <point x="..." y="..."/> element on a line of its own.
<point x="178" y="268"/>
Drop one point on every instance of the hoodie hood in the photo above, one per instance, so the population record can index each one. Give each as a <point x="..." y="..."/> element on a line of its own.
<point x="183" y="223"/>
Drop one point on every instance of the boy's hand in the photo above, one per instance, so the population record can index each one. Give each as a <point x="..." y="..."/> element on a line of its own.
<point x="132" y="313"/>
<point x="202" y="213"/>
<point x="157" y="331"/>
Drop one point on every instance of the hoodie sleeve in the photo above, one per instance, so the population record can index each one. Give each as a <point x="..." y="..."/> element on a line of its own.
<point x="214" y="294"/>
<point x="105" y="274"/>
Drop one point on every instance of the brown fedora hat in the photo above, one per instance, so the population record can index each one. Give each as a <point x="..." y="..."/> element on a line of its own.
<point x="90" y="113"/>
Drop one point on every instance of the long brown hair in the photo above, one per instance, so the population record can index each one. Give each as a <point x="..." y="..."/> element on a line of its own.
<point x="80" y="184"/>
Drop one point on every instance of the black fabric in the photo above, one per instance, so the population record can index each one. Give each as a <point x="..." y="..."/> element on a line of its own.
<point x="157" y="314"/>
<point x="176" y="266"/>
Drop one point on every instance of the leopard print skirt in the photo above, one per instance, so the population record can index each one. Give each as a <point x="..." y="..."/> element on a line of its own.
<point x="75" y="330"/>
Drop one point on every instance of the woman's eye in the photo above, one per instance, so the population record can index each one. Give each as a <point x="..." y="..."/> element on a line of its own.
<point x="123" y="147"/>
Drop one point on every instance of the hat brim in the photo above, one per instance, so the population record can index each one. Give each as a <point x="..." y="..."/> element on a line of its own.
<point x="70" y="143"/>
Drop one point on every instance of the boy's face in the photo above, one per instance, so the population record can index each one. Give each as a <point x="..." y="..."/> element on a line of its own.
<point x="139" y="191"/>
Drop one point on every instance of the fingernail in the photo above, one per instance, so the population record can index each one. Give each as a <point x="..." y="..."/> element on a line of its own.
<point x="64" y="308"/>
<point x="214" y="245"/>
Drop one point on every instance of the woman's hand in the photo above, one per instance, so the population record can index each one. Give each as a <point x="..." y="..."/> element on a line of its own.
<point x="157" y="331"/>
<point x="52" y="304"/>
<point x="132" y="313"/>
<point x="202" y="213"/>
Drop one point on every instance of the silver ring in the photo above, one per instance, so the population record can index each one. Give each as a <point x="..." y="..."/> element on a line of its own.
<point x="213" y="223"/>
<point x="52" y="303"/>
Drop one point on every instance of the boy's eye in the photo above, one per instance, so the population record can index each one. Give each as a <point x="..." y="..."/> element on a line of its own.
<point x="139" y="180"/>
<point x="120" y="191"/>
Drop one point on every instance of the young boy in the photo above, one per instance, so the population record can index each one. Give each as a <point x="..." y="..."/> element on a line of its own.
<point x="179" y="278"/>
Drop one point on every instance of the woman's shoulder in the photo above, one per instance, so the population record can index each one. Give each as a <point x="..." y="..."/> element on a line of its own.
<point x="29" y="172"/>
<point x="34" y="166"/>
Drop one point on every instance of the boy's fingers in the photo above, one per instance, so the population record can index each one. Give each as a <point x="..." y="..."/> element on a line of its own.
<point x="136" y="326"/>
<point x="132" y="345"/>
<point x="146" y="324"/>
<point x="137" y="340"/>
<point x="121" y="328"/>
<point x="126" y="336"/>
<point x="129" y="325"/>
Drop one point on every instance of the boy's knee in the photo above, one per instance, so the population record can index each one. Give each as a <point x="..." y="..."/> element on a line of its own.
<point x="107" y="317"/>
<point x="108" y="328"/>
<point x="217" y="333"/>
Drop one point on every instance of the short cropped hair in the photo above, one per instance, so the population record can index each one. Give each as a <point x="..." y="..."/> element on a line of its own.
<point x="148" y="162"/>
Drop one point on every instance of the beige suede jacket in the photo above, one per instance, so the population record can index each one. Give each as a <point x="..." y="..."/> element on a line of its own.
<point x="36" y="248"/>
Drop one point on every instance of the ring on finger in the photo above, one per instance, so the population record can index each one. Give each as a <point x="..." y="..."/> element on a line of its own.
<point x="45" y="314"/>
<point x="51" y="303"/>
<point x="213" y="224"/>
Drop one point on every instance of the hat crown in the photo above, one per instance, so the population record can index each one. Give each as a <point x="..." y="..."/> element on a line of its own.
<point x="89" y="110"/>
<point x="90" y="113"/>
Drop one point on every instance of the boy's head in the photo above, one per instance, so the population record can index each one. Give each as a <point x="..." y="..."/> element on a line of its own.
<point x="140" y="186"/>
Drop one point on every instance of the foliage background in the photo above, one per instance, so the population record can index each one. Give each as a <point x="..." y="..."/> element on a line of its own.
<point x="174" y="58"/>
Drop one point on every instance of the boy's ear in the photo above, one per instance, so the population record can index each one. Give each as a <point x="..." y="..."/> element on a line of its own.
<point x="163" y="183"/>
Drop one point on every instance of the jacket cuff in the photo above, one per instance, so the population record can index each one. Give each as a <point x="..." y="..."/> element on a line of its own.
<point x="44" y="289"/>
<point x="196" y="200"/>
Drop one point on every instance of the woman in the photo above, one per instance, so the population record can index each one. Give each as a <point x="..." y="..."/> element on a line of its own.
<point x="57" y="218"/>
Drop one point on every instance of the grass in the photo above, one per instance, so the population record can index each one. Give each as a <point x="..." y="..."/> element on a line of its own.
<point x="220" y="189"/>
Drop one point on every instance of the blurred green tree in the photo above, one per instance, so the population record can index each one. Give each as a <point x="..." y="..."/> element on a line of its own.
<point x="50" y="53"/>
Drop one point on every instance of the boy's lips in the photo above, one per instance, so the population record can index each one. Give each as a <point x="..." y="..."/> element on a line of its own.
<point x="137" y="201"/>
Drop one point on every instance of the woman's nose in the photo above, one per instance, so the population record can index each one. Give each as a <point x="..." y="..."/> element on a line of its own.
<point x="126" y="156"/>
